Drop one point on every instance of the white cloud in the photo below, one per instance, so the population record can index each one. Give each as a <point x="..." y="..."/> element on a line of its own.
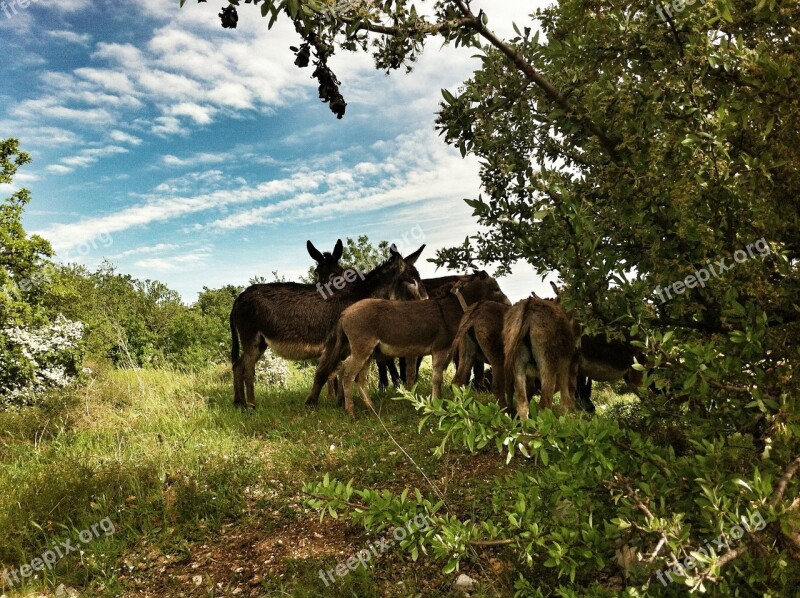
<point x="59" y="169"/>
<point x="71" y="37"/>
<point x="175" y="263"/>
<point x="195" y="159"/>
<point x="122" y="137"/>
<point x="147" y="249"/>
<point x="202" y="115"/>
<point x="85" y="158"/>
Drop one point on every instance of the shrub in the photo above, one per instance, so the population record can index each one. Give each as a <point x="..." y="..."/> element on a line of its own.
<point x="36" y="360"/>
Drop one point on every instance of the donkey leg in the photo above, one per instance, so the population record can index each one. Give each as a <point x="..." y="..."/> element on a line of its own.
<point x="521" y="388"/>
<point x="439" y="362"/>
<point x="321" y="378"/>
<point x="521" y="392"/>
<point x="465" y="359"/>
<point x="477" y="375"/>
<point x="238" y="384"/>
<point x="249" y="358"/>
<point x="566" y="385"/>
<point x="394" y="374"/>
<point x="583" y="396"/>
<point x="499" y="383"/>
<point x="411" y="372"/>
<point x="549" y="381"/>
<point x="352" y="367"/>
<point x="363" y="386"/>
<point x="383" y="372"/>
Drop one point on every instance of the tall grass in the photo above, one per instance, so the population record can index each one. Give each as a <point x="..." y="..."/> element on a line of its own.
<point x="166" y="456"/>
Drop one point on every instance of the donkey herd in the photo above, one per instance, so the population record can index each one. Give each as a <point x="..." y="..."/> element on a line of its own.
<point x="390" y="312"/>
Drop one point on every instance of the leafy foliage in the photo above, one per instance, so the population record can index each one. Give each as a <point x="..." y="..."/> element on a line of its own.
<point x="584" y="498"/>
<point x="633" y="155"/>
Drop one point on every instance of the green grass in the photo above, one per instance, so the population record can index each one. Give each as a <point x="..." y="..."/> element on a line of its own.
<point x="181" y="473"/>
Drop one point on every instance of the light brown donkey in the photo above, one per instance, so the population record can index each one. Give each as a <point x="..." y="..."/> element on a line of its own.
<point x="399" y="329"/>
<point x="541" y="339"/>
<point x="480" y="338"/>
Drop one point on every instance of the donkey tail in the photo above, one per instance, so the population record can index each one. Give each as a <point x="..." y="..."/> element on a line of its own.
<point x="515" y="330"/>
<point x="234" y="341"/>
<point x="464" y="328"/>
<point x="337" y="346"/>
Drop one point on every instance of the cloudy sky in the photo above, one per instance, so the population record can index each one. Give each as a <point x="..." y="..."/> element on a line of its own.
<point x="200" y="156"/>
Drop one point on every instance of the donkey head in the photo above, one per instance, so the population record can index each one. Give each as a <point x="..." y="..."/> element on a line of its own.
<point x="409" y="286"/>
<point x="327" y="263"/>
<point x="396" y="278"/>
<point x="480" y="287"/>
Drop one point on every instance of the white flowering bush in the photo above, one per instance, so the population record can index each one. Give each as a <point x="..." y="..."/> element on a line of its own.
<point x="36" y="360"/>
<point x="272" y="370"/>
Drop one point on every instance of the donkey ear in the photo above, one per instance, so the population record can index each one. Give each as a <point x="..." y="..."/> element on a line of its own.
<point x="413" y="257"/>
<point x="393" y="249"/>
<point x="338" y="250"/>
<point x="556" y="290"/>
<point x="314" y="252"/>
<point x="483" y="274"/>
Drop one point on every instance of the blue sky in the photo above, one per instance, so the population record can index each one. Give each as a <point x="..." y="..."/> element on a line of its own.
<point x="200" y="156"/>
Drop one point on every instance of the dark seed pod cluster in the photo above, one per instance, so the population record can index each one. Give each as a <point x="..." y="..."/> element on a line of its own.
<point x="229" y="17"/>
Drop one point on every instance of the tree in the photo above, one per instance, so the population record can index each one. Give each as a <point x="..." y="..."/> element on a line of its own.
<point x="38" y="351"/>
<point x="650" y="157"/>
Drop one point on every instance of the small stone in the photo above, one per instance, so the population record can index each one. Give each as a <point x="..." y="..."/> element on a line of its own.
<point x="197" y="579"/>
<point x="464" y="583"/>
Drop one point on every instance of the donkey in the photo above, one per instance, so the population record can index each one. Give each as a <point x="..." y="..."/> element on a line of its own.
<point x="399" y="329"/>
<point x="479" y="338"/>
<point x="540" y="338"/>
<point x="327" y="263"/>
<point x="605" y="361"/>
<point x="327" y="269"/>
<point x="437" y="288"/>
<point x="294" y="321"/>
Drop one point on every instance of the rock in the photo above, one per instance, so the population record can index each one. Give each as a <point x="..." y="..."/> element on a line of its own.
<point x="464" y="583"/>
<point x="197" y="579"/>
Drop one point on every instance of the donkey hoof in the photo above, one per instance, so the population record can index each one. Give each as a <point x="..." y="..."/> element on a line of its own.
<point x="311" y="402"/>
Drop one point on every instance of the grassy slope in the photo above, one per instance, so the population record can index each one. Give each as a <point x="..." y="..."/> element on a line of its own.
<point x="206" y="500"/>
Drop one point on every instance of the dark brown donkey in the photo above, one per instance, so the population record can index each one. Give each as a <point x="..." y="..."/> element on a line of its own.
<point x="605" y="361"/>
<point x="294" y="320"/>
<point x="328" y="268"/>
<point x="327" y="263"/>
<point x="540" y="339"/>
<point x="399" y="329"/>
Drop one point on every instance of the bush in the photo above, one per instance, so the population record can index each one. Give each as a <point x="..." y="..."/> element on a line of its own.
<point x="272" y="370"/>
<point x="36" y="360"/>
